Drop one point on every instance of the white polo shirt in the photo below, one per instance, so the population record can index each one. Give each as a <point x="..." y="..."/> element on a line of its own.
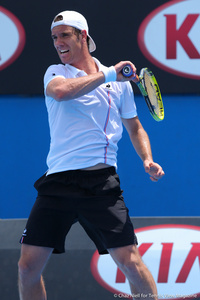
<point x="85" y="131"/>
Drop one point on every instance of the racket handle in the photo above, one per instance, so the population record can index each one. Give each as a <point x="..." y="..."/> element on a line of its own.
<point x="127" y="71"/>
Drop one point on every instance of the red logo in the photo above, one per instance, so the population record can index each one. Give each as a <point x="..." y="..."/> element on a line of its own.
<point x="169" y="37"/>
<point x="12" y="36"/>
<point x="172" y="254"/>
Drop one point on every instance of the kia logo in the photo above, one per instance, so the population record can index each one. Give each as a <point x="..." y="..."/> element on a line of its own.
<point x="172" y="254"/>
<point x="169" y="37"/>
<point x="12" y="37"/>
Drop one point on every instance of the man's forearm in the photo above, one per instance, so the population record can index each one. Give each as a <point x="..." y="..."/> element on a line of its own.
<point x="141" y="143"/>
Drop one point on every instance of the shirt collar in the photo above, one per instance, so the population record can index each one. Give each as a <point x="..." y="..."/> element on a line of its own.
<point x="74" y="70"/>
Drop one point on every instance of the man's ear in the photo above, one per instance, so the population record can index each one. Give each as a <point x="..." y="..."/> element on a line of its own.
<point x="84" y="34"/>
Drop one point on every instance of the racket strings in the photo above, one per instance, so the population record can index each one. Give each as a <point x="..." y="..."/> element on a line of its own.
<point x="151" y="91"/>
<point x="154" y="95"/>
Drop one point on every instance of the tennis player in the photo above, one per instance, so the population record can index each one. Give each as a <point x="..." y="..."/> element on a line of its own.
<point x="87" y="104"/>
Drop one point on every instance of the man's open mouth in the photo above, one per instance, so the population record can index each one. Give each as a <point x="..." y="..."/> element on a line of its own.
<point x="64" y="51"/>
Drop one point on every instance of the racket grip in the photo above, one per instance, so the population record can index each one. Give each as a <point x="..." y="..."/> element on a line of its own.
<point x="127" y="71"/>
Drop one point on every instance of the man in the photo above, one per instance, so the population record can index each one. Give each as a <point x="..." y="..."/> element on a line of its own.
<point x="87" y="103"/>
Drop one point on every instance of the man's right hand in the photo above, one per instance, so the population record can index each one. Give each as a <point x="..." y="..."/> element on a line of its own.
<point x="120" y="66"/>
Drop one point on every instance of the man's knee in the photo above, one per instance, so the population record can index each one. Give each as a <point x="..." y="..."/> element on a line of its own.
<point x="32" y="262"/>
<point x="127" y="258"/>
<point x="26" y="270"/>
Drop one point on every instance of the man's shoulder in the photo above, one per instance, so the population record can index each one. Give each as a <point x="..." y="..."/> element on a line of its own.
<point x="54" y="71"/>
<point x="56" y="67"/>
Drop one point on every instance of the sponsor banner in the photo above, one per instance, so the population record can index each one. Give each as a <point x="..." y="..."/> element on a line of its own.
<point x="12" y="35"/>
<point x="164" y="37"/>
<point x="169" y="37"/>
<point x="172" y="254"/>
<point x="68" y="276"/>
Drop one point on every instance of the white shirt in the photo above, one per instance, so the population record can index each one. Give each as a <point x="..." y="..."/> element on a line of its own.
<point x="85" y="131"/>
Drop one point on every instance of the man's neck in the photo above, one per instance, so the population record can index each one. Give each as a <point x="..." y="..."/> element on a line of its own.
<point x="87" y="64"/>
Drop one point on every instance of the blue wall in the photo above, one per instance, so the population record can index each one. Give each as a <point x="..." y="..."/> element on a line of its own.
<point x="175" y="143"/>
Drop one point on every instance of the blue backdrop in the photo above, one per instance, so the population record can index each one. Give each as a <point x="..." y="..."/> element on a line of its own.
<point x="175" y="143"/>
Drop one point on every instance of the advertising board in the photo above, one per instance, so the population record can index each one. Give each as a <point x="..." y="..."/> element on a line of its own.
<point x="160" y="35"/>
<point x="173" y="260"/>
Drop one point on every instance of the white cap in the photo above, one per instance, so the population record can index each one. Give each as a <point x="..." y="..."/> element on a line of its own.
<point x="74" y="19"/>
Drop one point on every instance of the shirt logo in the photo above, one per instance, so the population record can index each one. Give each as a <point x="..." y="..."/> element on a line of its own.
<point x="108" y="86"/>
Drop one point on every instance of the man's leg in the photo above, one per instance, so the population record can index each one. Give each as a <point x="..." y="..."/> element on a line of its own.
<point x="130" y="263"/>
<point x="31" y="264"/>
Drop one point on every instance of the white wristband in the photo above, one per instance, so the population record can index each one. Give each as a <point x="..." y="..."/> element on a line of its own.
<point x="110" y="74"/>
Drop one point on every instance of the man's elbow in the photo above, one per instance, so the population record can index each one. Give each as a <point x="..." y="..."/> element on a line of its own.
<point x="59" y="95"/>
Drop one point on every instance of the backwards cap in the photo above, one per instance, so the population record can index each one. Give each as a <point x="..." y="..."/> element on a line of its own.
<point x="74" y="19"/>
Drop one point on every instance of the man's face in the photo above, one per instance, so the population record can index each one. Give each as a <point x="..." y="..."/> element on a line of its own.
<point x="67" y="44"/>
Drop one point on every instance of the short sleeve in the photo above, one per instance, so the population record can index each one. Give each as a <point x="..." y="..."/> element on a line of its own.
<point x="52" y="72"/>
<point x="128" y="108"/>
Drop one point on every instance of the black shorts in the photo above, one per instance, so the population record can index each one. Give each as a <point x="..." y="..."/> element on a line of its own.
<point x="93" y="198"/>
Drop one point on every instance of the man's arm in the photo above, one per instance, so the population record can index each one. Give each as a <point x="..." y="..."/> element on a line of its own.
<point x="69" y="88"/>
<point x="141" y="143"/>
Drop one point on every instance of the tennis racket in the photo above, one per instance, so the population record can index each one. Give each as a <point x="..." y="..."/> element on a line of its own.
<point x="149" y="89"/>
